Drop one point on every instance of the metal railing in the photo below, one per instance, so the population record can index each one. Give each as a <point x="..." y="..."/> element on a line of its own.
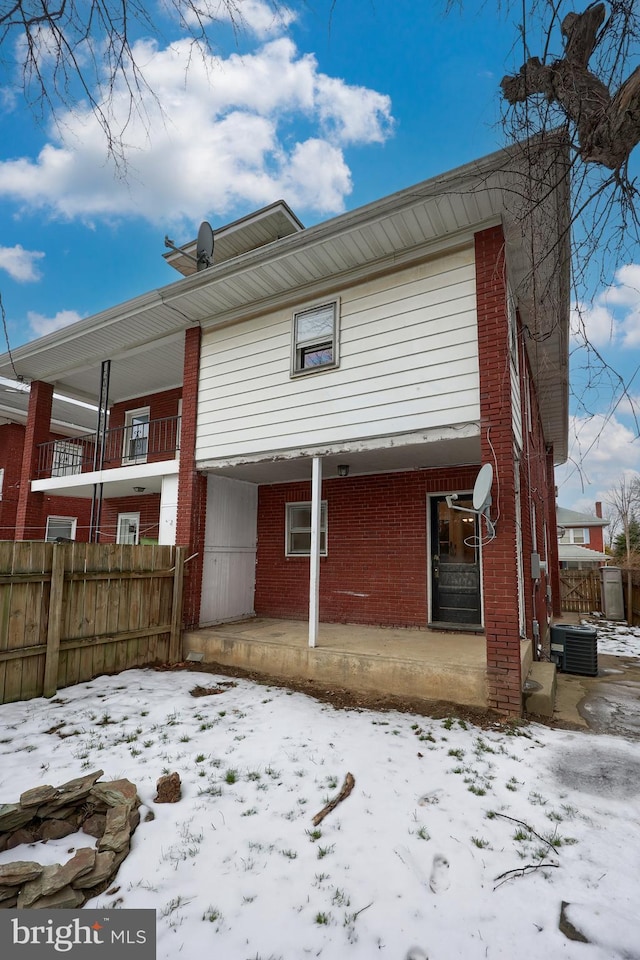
<point x="124" y="446"/>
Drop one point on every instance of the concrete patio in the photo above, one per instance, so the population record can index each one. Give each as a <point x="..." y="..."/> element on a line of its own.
<point x="413" y="663"/>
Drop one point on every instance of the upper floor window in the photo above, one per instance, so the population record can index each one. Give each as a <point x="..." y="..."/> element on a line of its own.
<point x="315" y="339"/>
<point x="136" y="436"/>
<point x="577" y="535"/>
<point x="67" y="458"/>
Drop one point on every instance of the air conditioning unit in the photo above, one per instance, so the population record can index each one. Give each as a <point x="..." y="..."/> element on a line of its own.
<point x="574" y="649"/>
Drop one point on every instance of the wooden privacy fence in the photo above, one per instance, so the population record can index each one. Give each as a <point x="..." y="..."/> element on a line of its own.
<point x="71" y="611"/>
<point x="580" y="591"/>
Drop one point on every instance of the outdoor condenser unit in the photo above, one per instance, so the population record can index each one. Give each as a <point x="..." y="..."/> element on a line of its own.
<point x="574" y="649"/>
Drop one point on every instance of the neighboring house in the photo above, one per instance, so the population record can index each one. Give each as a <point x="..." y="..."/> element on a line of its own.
<point x="581" y="539"/>
<point x="58" y="517"/>
<point x="337" y="384"/>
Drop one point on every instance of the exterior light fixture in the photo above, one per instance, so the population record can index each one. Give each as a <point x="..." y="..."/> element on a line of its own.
<point x="139" y="489"/>
<point x="343" y="470"/>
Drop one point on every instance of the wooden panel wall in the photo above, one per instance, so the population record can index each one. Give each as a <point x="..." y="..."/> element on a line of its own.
<point x="69" y="612"/>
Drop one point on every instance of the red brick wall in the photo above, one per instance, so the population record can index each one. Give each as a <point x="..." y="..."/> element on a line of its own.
<point x="147" y="505"/>
<point x="11" y="447"/>
<point x="161" y="405"/>
<point x="376" y="568"/>
<point x="500" y="582"/>
<point x="12" y="438"/>
<point x="77" y="507"/>
<point x="30" y="505"/>
<point x="192" y="486"/>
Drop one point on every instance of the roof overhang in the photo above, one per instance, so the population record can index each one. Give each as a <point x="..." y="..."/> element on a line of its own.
<point x="143" y="337"/>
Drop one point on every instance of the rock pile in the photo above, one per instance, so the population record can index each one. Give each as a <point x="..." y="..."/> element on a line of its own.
<point x="107" y="811"/>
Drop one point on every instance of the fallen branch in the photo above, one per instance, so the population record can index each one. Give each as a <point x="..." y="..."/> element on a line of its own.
<point x="527" y="827"/>
<point x="520" y="872"/>
<point x="347" y="787"/>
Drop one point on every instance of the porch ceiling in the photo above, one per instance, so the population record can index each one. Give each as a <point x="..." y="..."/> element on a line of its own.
<point x="395" y="456"/>
<point x="117" y="482"/>
<point x="68" y="419"/>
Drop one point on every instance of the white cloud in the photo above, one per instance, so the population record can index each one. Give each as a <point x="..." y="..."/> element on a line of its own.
<point x="601" y="449"/>
<point x="19" y="263"/>
<point x="593" y="324"/>
<point x="41" y="325"/>
<point x="230" y="132"/>
<point x="614" y="316"/>
<point x="262" y="19"/>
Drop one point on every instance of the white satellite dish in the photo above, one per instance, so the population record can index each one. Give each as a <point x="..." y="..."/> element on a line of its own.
<point x="482" y="488"/>
<point x="204" y="245"/>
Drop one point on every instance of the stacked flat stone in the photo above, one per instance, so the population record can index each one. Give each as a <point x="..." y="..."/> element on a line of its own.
<point x="107" y="811"/>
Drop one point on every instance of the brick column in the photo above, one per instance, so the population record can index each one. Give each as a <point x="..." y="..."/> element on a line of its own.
<point x="553" y="572"/>
<point x="30" y="523"/>
<point x="500" y="568"/>
<point x="192" y="486"/>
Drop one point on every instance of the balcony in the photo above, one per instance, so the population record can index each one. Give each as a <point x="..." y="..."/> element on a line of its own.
<point x="135" y="443"/>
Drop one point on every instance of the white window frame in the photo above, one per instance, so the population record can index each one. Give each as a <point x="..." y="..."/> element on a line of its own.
<point x="128" y="436"/>
<point x="569" y="536"/>
<point x="73" y="523"/>
<point x="1" y="481"/>
<point x="299" y="345"/>
<point x="289" y="529"/>
<point x="131" y="519"/>
<point x="67" y="459"/>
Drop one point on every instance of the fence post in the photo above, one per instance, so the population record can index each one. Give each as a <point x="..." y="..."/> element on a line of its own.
<point x="55" y="622"/>
<point x="175" y="640"/>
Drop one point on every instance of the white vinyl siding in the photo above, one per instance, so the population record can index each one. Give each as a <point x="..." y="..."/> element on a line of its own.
<point x="408" y="361"/>
<point x="514" y="367"/>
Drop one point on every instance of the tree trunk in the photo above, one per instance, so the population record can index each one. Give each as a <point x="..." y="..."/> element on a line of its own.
<point x="608" y="127"/>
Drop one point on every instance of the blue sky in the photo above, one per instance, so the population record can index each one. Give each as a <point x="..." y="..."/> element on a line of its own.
<point x="327" y="110"/>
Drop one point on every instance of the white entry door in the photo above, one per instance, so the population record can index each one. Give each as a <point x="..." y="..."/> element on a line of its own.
<point x="128" y="528"/>
<point x="229" y="568"/>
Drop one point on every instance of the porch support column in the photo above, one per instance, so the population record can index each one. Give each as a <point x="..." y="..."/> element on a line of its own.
<point x="314" y="556"/>
<point x="30" y="523"/>
<point x="500" y="561"/>
<point x="192" y="486"/>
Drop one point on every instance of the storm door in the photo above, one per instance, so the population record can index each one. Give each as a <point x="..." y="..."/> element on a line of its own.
<point x="455" y="564"/>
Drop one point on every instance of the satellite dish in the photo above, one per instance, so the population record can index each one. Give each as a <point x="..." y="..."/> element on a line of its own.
<point x="204" y="245"/>
<point x="482" y="488"/>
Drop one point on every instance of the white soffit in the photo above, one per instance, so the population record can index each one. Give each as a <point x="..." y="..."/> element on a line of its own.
<point x="434" y="215"/>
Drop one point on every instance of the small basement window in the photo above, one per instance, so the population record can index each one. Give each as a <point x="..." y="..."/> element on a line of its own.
<point x="60" y="529"/>
<point x="315" y="339"/>
<point x="298" y="534"/>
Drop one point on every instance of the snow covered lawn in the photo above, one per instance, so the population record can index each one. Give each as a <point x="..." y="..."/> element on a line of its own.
<point x="459" y="841"/>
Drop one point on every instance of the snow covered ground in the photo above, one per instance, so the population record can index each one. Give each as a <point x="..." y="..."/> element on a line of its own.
<point x="617" y="638"/>
<point x="457" y="841"/>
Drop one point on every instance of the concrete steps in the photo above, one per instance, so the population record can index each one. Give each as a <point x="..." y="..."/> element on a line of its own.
<point x="539" y="690"/>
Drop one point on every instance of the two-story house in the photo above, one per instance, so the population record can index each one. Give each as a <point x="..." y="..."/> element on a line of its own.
<point x="336" y="393"/>
<point x="60" y="517"/>
<point x="581" y="538"/>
